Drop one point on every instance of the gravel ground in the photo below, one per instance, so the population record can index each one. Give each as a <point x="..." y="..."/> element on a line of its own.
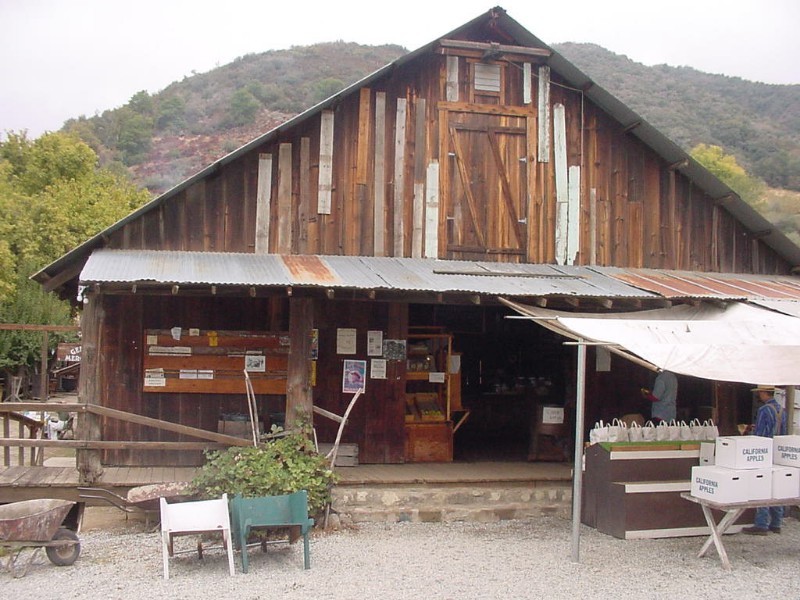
<point x="510" y="559"/>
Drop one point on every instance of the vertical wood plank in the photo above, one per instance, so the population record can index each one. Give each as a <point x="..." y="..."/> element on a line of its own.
<point x="562" y="192"/>
<point x="432" y="211"/>
<point x="263" y="201"/>
<point x="544" y="114"/>
<point x="451" y="88"/>
<point x="573" y="214"/>
<point x="399" y="177"/>
<point x="307" y="218"/>
<point x="325" y="162"/>
<point x="593" y="226"/>
<point x="420" y="160"/>
<point x="284" y="241"/>
<point x="359" y="216"/>
<point x="379" y="177"/>
<point x="527" y="83"/>
<point x="445" y="165"/>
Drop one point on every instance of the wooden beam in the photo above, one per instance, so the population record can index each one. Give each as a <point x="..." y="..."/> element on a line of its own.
<point x="204" y="434"/>
<point x="503" y="48"/>
<point x="115" y="445"/>
<point x="299" y="401"/>
<point x="27" y="327"/>
<point x="64" y="276"/>
<point x="89" y="427"/>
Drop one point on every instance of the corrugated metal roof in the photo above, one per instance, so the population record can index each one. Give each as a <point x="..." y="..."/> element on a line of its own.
<point x="350" y="272"/>
<point x="719" y="286"/>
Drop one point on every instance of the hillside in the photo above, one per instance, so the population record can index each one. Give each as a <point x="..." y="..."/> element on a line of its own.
<point x="166" y="137"/>
<point x="756" y="122"/>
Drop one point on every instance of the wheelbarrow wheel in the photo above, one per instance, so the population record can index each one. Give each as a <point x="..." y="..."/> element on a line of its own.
<point x="66" y="554"/>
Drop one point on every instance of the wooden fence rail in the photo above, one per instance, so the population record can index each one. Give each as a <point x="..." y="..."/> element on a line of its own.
<point x="211" y="439"/>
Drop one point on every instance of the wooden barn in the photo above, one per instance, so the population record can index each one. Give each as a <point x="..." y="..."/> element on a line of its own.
<point x="368" y="242"/>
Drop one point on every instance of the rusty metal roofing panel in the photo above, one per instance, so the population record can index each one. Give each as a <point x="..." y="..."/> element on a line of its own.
<point x="720" y="286"/>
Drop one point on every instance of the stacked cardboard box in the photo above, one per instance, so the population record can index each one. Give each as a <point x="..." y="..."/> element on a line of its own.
<point x="749" y="468"/>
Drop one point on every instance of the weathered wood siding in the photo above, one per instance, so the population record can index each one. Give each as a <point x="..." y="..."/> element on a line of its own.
<point x="498" y="197"/>
<point x="122" y="376"/>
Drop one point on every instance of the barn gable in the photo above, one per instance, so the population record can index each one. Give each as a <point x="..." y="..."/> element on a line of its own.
<point x="484" y="144"/>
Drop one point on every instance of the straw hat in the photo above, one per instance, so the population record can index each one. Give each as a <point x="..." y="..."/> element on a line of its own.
<point x="764" y="388"/>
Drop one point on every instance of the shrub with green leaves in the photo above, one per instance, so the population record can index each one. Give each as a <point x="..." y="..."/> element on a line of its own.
<point x="281" y="466"/>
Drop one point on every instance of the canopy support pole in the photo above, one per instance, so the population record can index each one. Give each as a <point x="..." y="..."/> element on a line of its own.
<point x="577" y="469"/>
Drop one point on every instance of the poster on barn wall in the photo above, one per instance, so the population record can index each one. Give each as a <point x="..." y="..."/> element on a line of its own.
<point x="354" y="376"/>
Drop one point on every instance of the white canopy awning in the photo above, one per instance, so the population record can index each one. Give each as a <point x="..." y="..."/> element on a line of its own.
<point x="737" y="342"/>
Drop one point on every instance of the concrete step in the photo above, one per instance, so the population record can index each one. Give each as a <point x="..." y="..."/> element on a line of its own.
<point x="436" y="503"/>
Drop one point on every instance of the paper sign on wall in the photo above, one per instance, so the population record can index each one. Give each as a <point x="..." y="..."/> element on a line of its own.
<point x="345" y="341"/>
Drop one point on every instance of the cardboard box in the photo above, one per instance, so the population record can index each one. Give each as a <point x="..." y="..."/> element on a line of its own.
<point x="724" y="485"/>
<point x="707" y="453"/>
<point x="743" y="452"/>
<point x="786" y="450"/>
<point x="785" y="482"/>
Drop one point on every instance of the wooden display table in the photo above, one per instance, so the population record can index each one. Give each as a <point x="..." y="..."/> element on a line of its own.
<point x="732" y="512"/>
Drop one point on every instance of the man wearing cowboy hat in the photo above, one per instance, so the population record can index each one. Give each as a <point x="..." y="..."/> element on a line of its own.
<point x="770" y="421"/>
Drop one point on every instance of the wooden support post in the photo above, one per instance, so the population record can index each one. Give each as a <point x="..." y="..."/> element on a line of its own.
<point x="299" y="400"/>
<point x="89" y="425"/>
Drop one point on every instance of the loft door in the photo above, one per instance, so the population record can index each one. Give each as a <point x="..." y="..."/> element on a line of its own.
<point x="486" y="186"/>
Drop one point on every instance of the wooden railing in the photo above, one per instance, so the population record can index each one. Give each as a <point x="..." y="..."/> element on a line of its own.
<point x="210" y="439"/>
<point x="27" y="449"/>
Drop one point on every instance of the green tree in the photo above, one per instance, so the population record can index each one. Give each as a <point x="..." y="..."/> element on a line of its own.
<point x="53" y="196"/>
<point x="134" y="135"/>
<point x="724" y="166"/>
<point x="243" y="108"/>
<point x="171" y="114"/>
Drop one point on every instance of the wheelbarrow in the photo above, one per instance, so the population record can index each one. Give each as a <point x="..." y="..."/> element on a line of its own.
<point x="37" y="524"/>
<point x="142" y="499"/>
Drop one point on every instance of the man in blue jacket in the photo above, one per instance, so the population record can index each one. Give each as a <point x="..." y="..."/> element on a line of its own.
<point x="770" y="421"/>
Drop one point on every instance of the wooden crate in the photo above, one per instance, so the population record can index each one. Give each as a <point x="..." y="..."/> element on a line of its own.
<point x="429" y="442"/>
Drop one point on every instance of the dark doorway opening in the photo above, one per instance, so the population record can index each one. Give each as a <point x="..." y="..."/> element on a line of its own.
<point x="510" y="369"/>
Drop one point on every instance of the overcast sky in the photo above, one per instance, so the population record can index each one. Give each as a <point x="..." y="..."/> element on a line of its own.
<point x="65" y="58"/>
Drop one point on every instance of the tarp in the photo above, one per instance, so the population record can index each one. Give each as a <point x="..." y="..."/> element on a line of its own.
<point x="735" y="342"/>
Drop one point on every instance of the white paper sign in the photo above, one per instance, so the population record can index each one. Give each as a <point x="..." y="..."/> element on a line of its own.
<point x="255" y="363"/>
<point x="188" y="374"/>
<point x="345" y="341"/>
<point x="377" y="368"/>
<point x="205" y="374"/>
<point x="553" y="415"/>
<point x="374" y="343"/>
<point x="155" y="382"/>
<point x="436" y="377"/>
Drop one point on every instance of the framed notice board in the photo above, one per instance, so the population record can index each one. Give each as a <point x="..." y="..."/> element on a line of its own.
<point x="213" y="362"/>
